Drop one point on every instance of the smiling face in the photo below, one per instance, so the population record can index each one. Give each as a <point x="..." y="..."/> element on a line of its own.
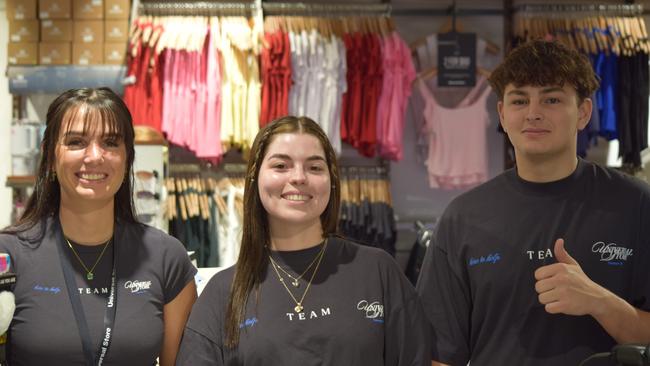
<point x="294" y="180"/>
<point x="90" y="164"/>
<point x="543" y="122"/>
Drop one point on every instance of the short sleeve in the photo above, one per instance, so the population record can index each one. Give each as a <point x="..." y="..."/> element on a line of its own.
<point x="198" y="350"/>
<point x="446" y="298"/>
<point x="203" y="336"/>
<point x="407" y="339"/>
<point x="641" y="296"/>
<point x="178" y="270"/>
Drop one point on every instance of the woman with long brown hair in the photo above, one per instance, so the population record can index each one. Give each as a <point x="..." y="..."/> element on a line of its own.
<point x="299" y="294"/>
<point x="94" y="286"/>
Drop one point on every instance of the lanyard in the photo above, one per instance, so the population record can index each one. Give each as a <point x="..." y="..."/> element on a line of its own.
<point x="82" y="324"/>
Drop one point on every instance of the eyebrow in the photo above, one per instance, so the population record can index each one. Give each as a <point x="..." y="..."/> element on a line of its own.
<point x="548" y="90"/>
<point x="81" y="134"/>
<point x="287" y="157"/>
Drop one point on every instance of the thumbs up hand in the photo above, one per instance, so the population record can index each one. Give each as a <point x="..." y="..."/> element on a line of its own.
<point x="563" y="288"/>
<point x="562" y="255"/>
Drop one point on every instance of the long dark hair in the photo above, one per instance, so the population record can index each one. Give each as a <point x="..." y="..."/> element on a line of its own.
<point x="101" y="105"/>
<point x="251" y="263"/>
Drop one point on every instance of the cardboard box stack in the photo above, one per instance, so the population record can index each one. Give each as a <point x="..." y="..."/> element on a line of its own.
<point x="23" y="32"/>
<point x="55" y="45"/>
<point x="116" y="29"/>
<point x="62" y="32"/>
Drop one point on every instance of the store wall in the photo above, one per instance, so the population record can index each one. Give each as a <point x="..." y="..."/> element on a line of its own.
<point x="413" y="199"/>
<point x="5" y="122"/>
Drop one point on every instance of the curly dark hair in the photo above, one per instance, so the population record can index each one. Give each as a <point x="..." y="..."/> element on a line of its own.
<point x="544" y="63"/>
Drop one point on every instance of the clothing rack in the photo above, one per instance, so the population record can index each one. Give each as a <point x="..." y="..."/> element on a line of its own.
<point x="364" y="171"/>
<point x="201" y="169"/>
<point x="444" y="12"/>
<point x="170" y="8"/>
<point x="563" y="9"/>
<point x="325" y="9"/>
<point x="241" y="8"/>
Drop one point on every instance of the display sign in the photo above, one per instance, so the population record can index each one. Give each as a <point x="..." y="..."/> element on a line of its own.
<point x="457" y="59"/>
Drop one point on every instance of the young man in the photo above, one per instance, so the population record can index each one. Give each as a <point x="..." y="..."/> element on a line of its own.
<point x="546" y="264"/>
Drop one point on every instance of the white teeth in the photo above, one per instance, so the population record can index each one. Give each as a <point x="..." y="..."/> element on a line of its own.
<point x="296" y="197"/>
<point x="92" y="176"/>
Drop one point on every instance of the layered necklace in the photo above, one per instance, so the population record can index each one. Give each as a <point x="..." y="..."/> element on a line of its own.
<point x="89" y="272"/>
<point x="277" y="268"/>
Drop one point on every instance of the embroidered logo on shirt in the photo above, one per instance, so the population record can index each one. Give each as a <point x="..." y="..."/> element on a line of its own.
<point x="611" y="253"/>
<point x="248" y="323"/>
<point x="52" y="290"/>
<point x="137" y="287"/>
<point x="491" y="258"/>
<point x="373" y="310"/>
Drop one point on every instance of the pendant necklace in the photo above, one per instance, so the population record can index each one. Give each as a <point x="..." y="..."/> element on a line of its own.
<point x="89" y="272"/>
<point x="294" y="280"/>
<point x="298" y="308"/>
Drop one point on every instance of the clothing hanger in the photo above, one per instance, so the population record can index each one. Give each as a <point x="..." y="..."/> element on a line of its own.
<point x="170" y="212"/>
<point x="344" y="188"/>
<point x="181" y="200"/>
<point x="433" y="71"/>
<point x="203" y="199"/>
<point x="490" y="47"/>
<point x="386" y="189"/>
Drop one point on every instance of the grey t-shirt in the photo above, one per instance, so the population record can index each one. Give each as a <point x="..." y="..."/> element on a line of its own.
<point x="360" y="310"/>
<point x="477" y="281"/>
<point x="152" y="269"/>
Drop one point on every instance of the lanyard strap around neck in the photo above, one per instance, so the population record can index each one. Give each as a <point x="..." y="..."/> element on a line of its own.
<point x="75" y="300"/>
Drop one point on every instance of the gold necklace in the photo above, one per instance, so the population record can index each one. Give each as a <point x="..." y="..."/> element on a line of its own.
<point x="295" y="280"/>
<point x="298" y="308"/>
<point x="89" y="272"/>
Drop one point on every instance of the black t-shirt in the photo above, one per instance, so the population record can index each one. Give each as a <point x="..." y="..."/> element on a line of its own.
<point x="477" y="282"/>
<point x="152" y="268"/>
<point x="360" y="310"/>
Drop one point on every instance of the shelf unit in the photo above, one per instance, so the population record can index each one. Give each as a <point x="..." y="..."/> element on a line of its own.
<point x="16" y="181"/>
<point x="26" y="80"/>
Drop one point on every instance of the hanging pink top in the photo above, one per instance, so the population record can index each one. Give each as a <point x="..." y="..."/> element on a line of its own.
<point x="457" y="139"/>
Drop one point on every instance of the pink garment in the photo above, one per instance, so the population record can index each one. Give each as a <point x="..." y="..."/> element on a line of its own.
<point x="457" y="139"/>
<point x="176" y="102"/>
<point x="198" y="101"/>
<point x="388" y="59"/>
<point x="210" y="146"/>
<point x="168" y="93"/>
<point x="398" y="76"/>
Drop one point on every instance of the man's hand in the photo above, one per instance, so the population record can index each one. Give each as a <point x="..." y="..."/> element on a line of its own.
<point x="565" y="289"/>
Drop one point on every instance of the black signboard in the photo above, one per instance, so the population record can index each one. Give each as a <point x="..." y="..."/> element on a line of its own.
<point x="457" y="59"/>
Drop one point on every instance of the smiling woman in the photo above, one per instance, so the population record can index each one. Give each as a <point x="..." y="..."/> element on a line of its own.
<point x="300" y="294"/>
<point x="79" y="235"/>
<point x="90" y="158"/>
<point x="294" y="185"/>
